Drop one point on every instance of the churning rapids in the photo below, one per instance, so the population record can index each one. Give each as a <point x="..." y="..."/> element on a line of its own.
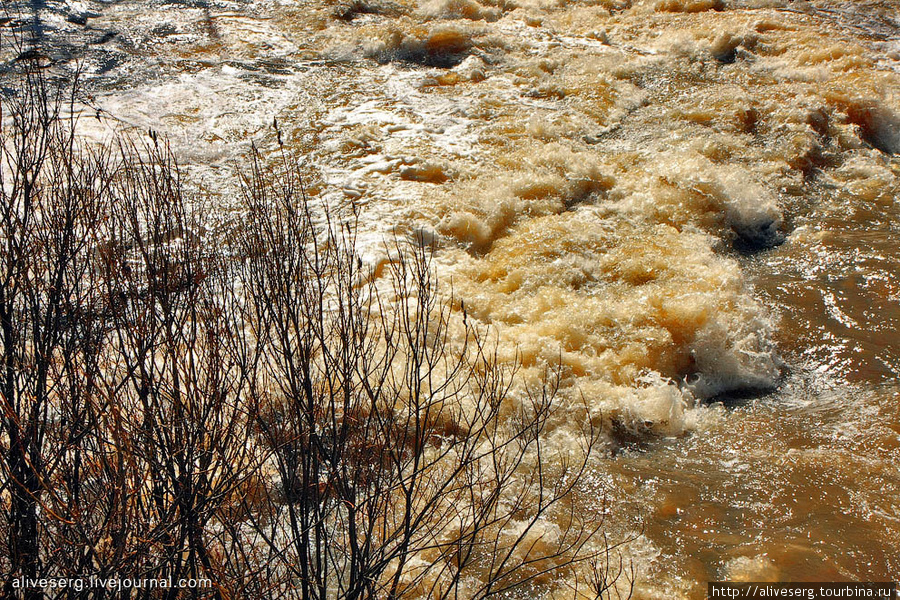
<point x="692" y="203"/>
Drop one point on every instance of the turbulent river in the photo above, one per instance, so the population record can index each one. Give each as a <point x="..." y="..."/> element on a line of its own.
<point x="692" y="204"/>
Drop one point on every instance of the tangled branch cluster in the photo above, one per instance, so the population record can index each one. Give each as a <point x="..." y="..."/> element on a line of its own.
<point x="244" y="404"/>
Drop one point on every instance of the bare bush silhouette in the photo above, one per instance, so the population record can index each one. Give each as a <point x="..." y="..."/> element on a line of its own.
<point x="404" y="467"/>
<point x="53" y="193"/>
<point x="177" y="392"/>
<point x="253" y="405"/>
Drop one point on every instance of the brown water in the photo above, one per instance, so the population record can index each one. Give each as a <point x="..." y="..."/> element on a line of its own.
<point x="692" y="203"/>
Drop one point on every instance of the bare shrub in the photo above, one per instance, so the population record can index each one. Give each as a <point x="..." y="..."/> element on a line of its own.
<point x="253" y="406"/>
<point x="177" y="392"/>
<point x="53" y="193"/>
<point x="122" y="431"/>
<point x="403" y="465"/>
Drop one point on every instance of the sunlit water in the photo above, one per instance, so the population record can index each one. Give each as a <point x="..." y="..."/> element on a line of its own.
<point x="692" y="204"/>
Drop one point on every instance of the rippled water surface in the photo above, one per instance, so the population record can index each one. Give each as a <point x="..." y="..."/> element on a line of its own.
<point x="693" y="204"/>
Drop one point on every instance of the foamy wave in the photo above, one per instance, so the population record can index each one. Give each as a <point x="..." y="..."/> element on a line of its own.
<point x="750" y="210"/>
<point x="645" y="319"/>
<point x="458" y="9"/>
<point x="736" y="355"/>
<point x="443" y="45"/>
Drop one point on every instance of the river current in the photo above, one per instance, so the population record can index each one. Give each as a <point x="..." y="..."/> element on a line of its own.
<point x="691" y="204"/>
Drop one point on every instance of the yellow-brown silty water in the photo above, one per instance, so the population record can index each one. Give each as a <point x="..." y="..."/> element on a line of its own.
<point x="692" y="204"/>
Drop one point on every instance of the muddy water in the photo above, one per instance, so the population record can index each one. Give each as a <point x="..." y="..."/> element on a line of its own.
<point x="692" y="204"/>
